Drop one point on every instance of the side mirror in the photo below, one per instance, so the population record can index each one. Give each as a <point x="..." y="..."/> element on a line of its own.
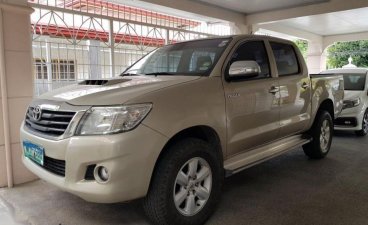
<point x="244" y="69"/>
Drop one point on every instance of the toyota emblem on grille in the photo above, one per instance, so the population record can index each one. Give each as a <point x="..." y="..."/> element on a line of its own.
<point x="36" y="113"/>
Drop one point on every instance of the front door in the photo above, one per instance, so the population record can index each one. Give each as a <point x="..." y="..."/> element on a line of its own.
<point x="252" y="104"/>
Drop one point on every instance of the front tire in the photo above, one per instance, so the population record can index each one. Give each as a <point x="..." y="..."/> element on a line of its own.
<point x="321" y="133"/>
<point x="186" y="184"/>
<point x="364" y="130"/>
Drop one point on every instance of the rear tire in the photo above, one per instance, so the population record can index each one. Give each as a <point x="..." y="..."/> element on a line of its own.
<point x="321" y="133"/>
<point x="364" y="130"/>
<point x="186" y="184"/>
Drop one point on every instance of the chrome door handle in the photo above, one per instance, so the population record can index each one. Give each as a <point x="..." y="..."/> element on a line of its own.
<point x="305" y="85"/>
<point x="273" y="90"/>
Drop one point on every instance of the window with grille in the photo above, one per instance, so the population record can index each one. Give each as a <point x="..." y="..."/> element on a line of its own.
<point x="61" y="69"/>
<point x="40" y="69"/>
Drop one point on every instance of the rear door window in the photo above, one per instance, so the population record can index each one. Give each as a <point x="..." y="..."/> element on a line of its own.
<point x="286" y="59"/>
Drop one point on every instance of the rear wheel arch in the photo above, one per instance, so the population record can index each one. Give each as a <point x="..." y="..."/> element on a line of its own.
<point x="321" y="136"/>
<point x="327" y="105"/>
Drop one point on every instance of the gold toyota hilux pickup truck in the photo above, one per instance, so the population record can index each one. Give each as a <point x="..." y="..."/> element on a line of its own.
<point x="178" y="121"/>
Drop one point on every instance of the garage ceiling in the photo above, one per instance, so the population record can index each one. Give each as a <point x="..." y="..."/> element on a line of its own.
<point x="256" y="6"/>
<point x="307" y="19"/>
<point x="343" y="22"/>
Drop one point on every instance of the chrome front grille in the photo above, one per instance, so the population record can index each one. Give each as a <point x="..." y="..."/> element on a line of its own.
<point x="48" y="122"/>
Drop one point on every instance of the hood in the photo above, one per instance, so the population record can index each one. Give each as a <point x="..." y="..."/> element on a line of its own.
<point x="351" y="95"/>
<point x="113" y="91"/>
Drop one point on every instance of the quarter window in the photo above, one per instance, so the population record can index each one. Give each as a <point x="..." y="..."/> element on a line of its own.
<point x="286" y="59"/>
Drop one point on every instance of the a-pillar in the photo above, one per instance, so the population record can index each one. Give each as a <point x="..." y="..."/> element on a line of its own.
<point x="16" y="87"/>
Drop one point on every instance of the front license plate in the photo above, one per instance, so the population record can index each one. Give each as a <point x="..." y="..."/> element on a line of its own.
<point x="33" y="152"/>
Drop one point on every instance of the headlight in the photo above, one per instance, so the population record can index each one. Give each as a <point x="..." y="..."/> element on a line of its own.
<point x="112" y="119"/>
<point x="351" y="103"/>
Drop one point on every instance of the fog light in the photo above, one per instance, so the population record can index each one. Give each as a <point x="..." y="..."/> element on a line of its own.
<point x="102" y="174"/>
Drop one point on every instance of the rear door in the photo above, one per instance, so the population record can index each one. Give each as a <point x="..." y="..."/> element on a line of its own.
<point x="252" y="104"/>
<point x="295" y="90"/>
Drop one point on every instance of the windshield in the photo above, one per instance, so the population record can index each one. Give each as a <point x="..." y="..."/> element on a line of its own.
<point x="354" y="82"/>
<point x="196" y="58"/>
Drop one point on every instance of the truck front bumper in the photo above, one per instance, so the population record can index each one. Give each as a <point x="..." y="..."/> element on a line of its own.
<point x="129" y="157"/>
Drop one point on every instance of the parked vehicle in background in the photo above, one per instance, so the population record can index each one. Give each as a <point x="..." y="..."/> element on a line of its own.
<point x="178" y="121"/>
<point x="354" y="115"/>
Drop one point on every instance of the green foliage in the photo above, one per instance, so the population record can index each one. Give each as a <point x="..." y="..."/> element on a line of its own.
<point x="339" y="53"/>
<point x="303" y="46"/>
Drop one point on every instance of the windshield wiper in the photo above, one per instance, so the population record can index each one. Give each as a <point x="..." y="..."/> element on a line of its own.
<point x="159" y="73"/>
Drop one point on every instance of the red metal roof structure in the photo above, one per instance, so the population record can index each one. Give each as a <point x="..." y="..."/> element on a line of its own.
<point x="102" y="7"/>
<point x="84" y="34"/>
<point x="121" y="11"/>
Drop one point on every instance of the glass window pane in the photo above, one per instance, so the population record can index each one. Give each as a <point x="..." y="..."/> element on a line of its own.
<point x="286" y="59"/>
<point x="254" y="51"/>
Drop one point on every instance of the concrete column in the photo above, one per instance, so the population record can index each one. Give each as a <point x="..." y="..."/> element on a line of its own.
<point x="16" y="87"/>
<point x="94" y="55"/>
<point x="316" y="57"/>
<point x="237" y="28"/>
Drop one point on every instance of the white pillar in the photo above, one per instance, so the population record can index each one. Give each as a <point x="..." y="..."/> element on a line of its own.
<point x="237" y="28"/>
<point x="167" y="36"/>
<point x="94" y="55"/>
<point x="316" y="57"/>
<point x="16" y="66"/>
<point x="112" y="48"/>
<point x="49" y="66"/>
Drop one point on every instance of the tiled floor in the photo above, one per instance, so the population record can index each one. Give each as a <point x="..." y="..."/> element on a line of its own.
<point x="7" y="215"/>
<point x="287" y="190"/>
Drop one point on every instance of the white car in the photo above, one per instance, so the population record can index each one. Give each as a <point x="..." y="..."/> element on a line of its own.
<point x="354" y="115"/>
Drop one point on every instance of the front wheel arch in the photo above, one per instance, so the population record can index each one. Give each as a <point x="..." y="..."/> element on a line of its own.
<point x="362" y="132"/>
<point x="201" y="132"/>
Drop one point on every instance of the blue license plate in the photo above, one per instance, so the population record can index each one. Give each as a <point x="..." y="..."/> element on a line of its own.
<point x="34" y="152"/>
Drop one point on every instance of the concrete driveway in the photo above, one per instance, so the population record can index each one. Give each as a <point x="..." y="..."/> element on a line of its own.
<point x="290" y="189"/>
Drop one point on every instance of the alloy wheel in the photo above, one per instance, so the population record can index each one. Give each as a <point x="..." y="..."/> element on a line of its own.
<point x="365" y="123"/>
<point x="325" y="136"/>
<point x="192" y="187"/>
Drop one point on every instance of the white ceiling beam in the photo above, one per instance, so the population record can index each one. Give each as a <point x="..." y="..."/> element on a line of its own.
<point x="201" y="9"/>
<point x="329" y="40"/>
<point x="291" y="32"/>
<point x="308" y="10"/>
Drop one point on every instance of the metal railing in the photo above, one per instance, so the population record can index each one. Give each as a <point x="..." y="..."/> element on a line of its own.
<point x="75" y="40"/>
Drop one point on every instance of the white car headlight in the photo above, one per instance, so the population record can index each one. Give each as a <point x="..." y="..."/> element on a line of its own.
<point x="351" y="103"/>
<point x="112" y="119"/>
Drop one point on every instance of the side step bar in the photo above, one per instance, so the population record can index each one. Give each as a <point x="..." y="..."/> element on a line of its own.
<point x="253" y="157"/>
